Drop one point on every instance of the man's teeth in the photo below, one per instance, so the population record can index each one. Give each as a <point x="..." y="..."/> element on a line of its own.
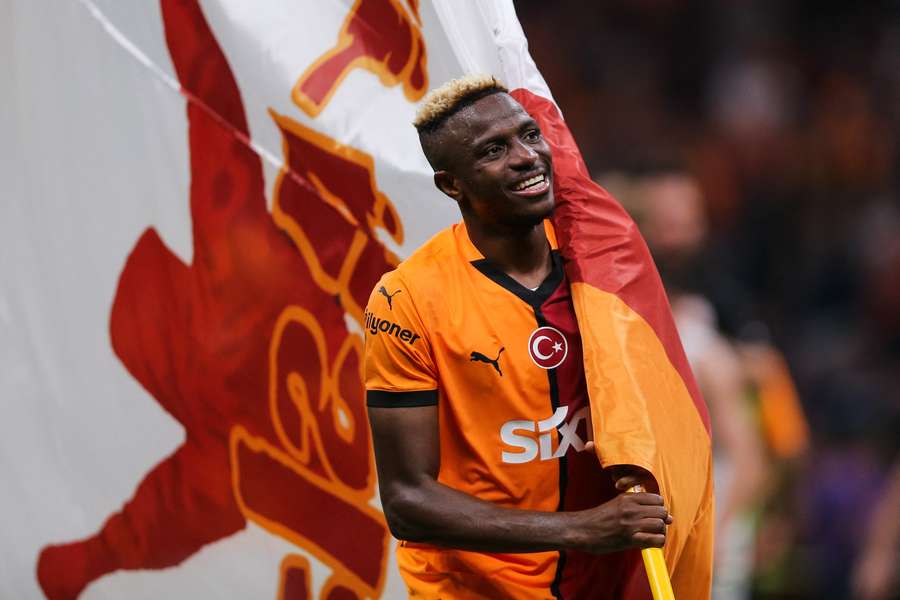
<point x="530" y="182"/>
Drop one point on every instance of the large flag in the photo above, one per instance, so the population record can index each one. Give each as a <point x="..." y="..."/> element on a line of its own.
<point x="646" y="408"/>
<point x="198" y="199"/>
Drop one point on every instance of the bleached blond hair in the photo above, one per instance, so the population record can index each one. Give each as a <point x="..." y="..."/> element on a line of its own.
<point x="447" y="99"/>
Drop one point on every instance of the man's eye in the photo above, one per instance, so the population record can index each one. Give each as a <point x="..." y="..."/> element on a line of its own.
<point x="533" y="135"/>
<point x="493" y="150"/>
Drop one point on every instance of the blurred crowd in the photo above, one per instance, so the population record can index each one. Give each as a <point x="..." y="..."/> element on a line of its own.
<point x="757" y="145"/>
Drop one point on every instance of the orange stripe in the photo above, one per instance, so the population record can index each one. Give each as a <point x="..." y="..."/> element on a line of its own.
<point x="641" y="410"/>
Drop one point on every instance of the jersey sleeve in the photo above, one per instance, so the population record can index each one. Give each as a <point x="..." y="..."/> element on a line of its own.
<point x="399" y="367"/>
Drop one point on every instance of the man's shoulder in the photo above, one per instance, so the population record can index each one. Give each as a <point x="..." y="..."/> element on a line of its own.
<point x="431" y="265"/>
<point x="413" y="294"/>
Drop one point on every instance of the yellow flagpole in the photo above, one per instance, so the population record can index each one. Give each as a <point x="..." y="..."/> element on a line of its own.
<point x="655" y="564"/>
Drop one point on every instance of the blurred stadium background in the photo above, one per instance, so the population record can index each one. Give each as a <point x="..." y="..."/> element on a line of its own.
<point x="756" y="145"/>
<point x="754" y="141"/>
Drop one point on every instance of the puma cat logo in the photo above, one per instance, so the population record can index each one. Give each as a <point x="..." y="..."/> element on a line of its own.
<point x="383" y="291"/>
<point x="495" y="362"/>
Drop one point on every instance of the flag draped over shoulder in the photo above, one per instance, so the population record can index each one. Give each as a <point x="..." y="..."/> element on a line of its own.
<point x="646" y="407"/>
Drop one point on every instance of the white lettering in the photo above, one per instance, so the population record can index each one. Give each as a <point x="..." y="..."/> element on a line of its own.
<point x="549" y="425"/>
<point x="543" y="446"/>
<point x="511" y="438"/>
<point x="568" y="436"/>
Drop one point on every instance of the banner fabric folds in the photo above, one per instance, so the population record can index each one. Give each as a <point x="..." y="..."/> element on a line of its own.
<point x="199" y="198"/>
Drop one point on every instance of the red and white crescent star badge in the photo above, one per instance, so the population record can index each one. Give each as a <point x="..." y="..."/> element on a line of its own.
<point x="547" y="347"/>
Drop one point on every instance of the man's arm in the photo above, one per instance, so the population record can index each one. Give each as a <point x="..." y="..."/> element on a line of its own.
<point x="420" y="509"/>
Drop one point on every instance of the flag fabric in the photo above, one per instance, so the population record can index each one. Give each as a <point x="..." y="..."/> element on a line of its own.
<point x="645" y="405"/>
<point x="198" y="199"/>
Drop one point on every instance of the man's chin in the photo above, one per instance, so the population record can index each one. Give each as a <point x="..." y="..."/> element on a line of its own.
<point x="535" y="218"/>
<point x="543" y="209"/>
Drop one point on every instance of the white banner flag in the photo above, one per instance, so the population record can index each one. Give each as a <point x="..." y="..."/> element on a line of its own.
<point x="198" y="198"/>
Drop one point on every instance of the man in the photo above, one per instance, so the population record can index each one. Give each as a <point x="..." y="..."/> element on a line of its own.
<point x="476" y="388"/>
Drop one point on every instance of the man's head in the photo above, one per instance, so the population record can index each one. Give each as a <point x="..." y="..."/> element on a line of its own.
<point x="674" y="215"/>
<point x="487" y="153"/>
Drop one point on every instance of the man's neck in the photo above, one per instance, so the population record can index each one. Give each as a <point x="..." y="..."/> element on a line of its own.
<point x="523" y="254"/>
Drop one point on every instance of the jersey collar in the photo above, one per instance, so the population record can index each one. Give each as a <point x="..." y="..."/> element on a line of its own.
<point x="471" y="253"/>
<point x="486" y="267"/>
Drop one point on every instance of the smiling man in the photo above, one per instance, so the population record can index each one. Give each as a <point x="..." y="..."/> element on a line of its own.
<point x="476" y="388"/>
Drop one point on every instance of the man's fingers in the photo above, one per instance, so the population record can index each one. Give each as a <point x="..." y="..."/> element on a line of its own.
<point x="655" y="512"/>
<point x="647" y="498"/>
<point x="652" y="526"/>
<point x="652" y="506"/>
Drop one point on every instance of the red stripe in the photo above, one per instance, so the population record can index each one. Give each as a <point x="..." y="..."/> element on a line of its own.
<point x="586" y="485"/>
<point x="600" y="241"/>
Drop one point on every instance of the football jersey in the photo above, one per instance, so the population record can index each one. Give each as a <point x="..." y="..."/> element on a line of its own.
<point x="504" y="365"/>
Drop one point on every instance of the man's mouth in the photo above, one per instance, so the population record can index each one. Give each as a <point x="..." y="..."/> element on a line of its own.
<point x="532" y="186"/>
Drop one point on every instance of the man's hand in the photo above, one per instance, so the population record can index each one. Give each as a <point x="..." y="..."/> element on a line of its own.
<point x="636" y="520"/>
<point x="420" y="509"/>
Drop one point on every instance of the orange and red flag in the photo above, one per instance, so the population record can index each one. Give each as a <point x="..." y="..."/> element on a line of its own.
<point x="645" y="405"/>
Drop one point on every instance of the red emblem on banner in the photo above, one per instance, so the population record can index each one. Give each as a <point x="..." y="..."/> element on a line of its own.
<point x="379" y="36"/>
<point x="247" y="347"/>
<point x="547" y="347"/>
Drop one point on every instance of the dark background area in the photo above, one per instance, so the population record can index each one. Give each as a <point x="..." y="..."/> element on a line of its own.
<point x="787" y="114"/>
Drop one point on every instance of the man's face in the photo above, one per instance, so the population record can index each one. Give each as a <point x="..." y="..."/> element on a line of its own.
<point x="501" y="163"/>
<point x="675" y="223"/>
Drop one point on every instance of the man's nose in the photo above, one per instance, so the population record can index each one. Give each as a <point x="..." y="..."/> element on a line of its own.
<point x="522" y="155"/>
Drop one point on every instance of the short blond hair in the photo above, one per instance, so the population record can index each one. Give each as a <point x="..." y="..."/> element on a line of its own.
<point x="447" y="99"/>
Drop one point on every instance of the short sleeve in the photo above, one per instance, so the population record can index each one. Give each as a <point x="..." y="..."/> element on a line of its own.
<point x="399" y="368"/>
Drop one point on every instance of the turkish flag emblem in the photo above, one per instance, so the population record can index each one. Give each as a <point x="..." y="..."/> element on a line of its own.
<point x="547" y="347"/>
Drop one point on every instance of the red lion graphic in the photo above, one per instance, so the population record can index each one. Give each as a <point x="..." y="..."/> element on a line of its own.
<point x="248" y="348"/>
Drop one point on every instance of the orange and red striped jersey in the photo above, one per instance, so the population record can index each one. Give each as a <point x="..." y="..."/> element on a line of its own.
<point x="504" y="364"/>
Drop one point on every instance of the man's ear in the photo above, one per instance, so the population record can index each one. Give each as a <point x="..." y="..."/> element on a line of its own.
<point x="448" y="184"/>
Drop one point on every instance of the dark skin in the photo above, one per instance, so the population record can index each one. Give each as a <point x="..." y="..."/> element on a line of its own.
<point x="482" y="154"/>
<point x="488" y="148"/>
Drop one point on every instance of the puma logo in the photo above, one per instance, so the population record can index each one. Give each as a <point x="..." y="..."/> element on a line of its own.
<point x="383" y="291"/>
<point x="479" y="357"/>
